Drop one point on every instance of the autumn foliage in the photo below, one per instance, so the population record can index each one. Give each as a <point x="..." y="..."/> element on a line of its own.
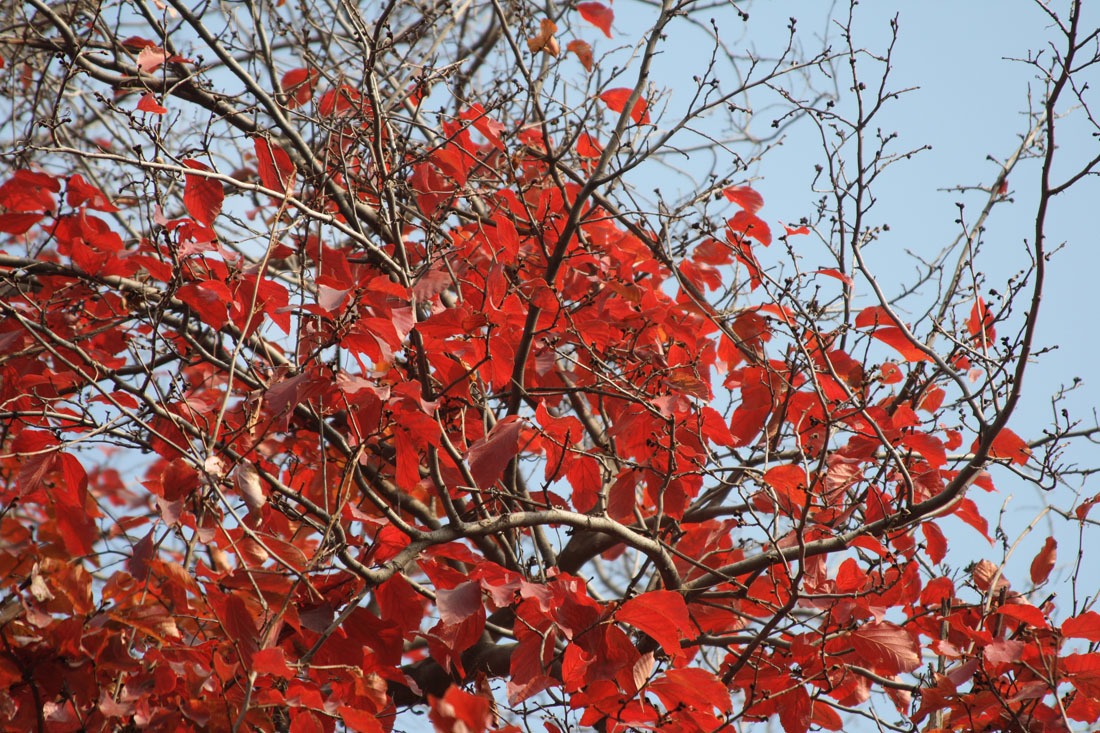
<point x="335" y="386"/>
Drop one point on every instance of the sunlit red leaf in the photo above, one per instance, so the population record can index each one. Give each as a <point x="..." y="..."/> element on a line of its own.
<point x="151" y="58"/>
<point x="983" y="572"/>
<point x="795" y="710"/>
<point x="832" y="272"/>
<point x="1083" y="626"/>
<point x="616" y="100"/>
<point x="745" y="197"/>
<point x="598" y="15"/>
<point x="1024" y="612"/>
<point x="874" y="315"/>
<point x="662" y="614"/>
<point x="1007" y="445"/>
<point x="896" y="338"/>
<point x="459" y="603"/>
<point x="749" y="224"/>
<point x="928" y="447"/>
<point x="18" y="223"/>
<point x="692" y="686"/>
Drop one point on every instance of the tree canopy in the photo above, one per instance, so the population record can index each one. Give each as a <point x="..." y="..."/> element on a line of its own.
<point x="352" y="369"/>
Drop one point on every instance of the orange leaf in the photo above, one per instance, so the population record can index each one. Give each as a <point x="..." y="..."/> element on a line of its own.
<point x="583" y="52"/>
<point x="545" y="40"/>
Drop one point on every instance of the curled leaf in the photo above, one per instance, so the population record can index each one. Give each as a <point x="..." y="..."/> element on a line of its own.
<point x="583" y="53"/>
<point x="545" y="40"/>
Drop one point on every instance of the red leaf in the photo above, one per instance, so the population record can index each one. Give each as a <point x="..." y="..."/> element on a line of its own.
<point x="968" y="512"/>
<point x="1083" y="626"/>
<point x="151" y="58"/>
<point x="79" y="192"/>
<point x="616" y="100"/>
<point x="928" y="447"/>
<point x="692" y="686"/>
<point x="1025" y="612"/>
<point x="1007" y="445"/>
<point x="795" y="710"/>
<point x="874" y="315"/>
<point x="1044" y="561"/>
<point x="833" y="272"/>
<point x="78" y="529"/>
<point x="935" y="544"/>
<point x="29" y="191"/>
<point x="896" y="338"/>
<point x="745" y="197"/>
<point x="148" y="103"/>
<point x="276" y="169"/>
<point x="202" y="196"/>
<point x="791" y="231"/>
<point x="458" y="711"/>
<point x="662" y="614"/>
<point x="271" y="661"/>
<point x="1082" y="511"/>
<point x="485" y="124"/>
<point x="886" y="647"/>
<point x="489" y="456"/>
<point x="598" y="15"/>
<point x="749" y="224"/>
<point x="825" y="716"/>
<point x="459" y="603"/>
<point x="359" y="720"/>
<point x="208" y="299"/>
<point x="298" y="85"/>
<point x="980" y="323"/>
<point x="1002" y="651"/>
<point x="400" y="604"/>
<point x="18" y="223"/>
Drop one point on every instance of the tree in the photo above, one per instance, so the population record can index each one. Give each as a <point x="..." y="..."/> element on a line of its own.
<point x="346" y="369"/>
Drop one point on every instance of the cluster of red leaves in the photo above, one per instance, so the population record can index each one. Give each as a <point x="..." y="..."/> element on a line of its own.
<point x="562" y="319"/>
